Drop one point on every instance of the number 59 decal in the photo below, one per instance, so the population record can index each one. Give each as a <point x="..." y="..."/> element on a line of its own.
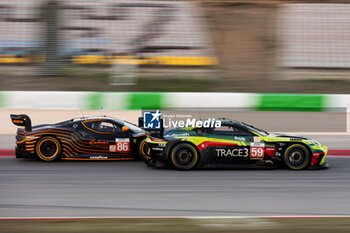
<point x="257" y="150"/>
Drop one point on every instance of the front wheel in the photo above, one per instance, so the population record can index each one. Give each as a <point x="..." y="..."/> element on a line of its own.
<point x="296" y="157"/>
<point x="184" y="156"/>
<point x="48" y="149"/>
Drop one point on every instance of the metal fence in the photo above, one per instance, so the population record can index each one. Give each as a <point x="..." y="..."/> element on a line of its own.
<point x="105" y="31"/>
<point x="315" y="35"/>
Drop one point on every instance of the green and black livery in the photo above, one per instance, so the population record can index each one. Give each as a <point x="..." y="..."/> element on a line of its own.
<point x="232" y="143"/>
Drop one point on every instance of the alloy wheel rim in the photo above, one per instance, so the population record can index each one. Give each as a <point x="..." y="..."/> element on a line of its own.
<point x="184" y="157"/>
<point x="48" y="148"/>
<point x="296" y="157"/>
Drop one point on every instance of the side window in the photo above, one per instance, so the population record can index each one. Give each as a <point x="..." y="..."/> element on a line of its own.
<point x="106" y="127"/>
<point x="101" y="126"/>
<point x="202" y="131"/>
<point x="231" y="130"/>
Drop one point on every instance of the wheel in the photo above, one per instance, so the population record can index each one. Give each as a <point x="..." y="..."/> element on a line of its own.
<point x="296" y="157"/>
<point x="48" y="149"/>
<point x="184" y="156"/>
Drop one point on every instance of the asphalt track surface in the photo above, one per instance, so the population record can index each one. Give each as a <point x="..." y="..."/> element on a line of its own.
<point x="119" y="189"/>
<point x="129" y="189"/>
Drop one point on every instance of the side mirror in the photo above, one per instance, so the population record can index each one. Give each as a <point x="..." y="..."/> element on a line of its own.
<point x="124" y="128"/>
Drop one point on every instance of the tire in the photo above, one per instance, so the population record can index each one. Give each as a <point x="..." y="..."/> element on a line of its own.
<point x="141" y="150"/>
<point x="184" y="156"/>
<point x="48" y="149"/>
<point x="297" y="157"/>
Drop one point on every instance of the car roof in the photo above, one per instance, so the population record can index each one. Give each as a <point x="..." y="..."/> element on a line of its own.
<point x="97" y="118"/>
<point x="227" y="121"/>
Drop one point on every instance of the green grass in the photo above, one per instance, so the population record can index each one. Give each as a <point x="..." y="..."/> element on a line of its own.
<point x="246" y="225"/>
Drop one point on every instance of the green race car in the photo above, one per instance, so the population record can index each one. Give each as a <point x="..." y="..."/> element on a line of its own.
<point x="232" y="143"/>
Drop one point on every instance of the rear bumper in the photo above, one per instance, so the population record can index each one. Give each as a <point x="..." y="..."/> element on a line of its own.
<point x="153" y="153"/>
<point x="21" y="152"/>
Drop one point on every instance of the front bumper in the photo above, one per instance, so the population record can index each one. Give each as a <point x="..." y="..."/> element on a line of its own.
<point x="319" y="156"/>
<point x="319" y="167"/>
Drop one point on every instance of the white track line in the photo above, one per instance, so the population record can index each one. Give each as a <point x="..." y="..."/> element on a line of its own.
<point x="180" y="217"/>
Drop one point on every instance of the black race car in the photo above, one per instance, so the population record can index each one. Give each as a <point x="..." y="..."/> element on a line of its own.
<point x="86" y="138"/>
<point x="232" y="142"/>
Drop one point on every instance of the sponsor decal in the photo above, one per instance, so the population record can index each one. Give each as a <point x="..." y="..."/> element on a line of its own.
<point x="295" y="139"/>
<point x="94" y="142"/>
<point x="157" y="148"/>
<point x="179" y="135"/>
<point x="112" y="148"/>
<point x="151" y="119"/>
<point x="237" y="152"/>
<point x="122" y="144"/>
<point x="98" y="157"/>
<point x="240" y="138"/>
<point x="257" y="144"/>
<point x="256" y="139"/>
<point x="270" y="151"/>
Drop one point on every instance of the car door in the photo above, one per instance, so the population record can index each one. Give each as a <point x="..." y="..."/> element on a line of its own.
<point x="108" y="137"/>
<point x="234" y="143"/>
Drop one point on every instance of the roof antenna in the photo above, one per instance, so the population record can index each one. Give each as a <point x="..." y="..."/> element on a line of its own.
<point x="102" y="110"/>
<point x="80" y="109"/>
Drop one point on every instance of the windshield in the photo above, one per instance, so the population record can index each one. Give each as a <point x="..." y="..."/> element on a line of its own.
<point x="259" y="131"/>
<point x="132" y="127"/>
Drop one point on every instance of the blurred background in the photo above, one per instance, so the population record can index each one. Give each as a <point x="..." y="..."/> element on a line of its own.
<point x="222" y="46"/>
<point x="240" y="59"/>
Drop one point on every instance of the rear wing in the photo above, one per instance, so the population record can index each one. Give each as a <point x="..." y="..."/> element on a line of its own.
<point x="161" y="130"/>
<point x="22" y="120"/>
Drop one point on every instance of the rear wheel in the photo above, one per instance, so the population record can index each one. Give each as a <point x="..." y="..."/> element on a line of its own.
<point x="296" y="157"/>
<point x="184" y="156"/>
<point x="48" y="149"/>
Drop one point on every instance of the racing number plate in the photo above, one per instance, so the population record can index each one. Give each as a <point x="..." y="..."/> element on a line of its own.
<point x="122" y="144"/>
<point x="257" y="150"/>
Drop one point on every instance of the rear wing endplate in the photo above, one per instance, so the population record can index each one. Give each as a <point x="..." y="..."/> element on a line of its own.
<point x="22" y="120"/>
